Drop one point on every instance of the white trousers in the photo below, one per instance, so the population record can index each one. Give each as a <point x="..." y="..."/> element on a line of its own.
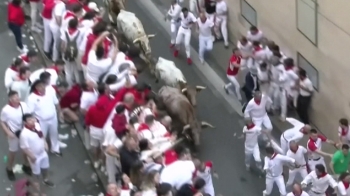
<point x="47" y="35"/>
<point x="263" y="121"/>
<point x="292" y="174"/>
<point x="279" y="98"/>
<point x="34" y="10"/>
<point x="313" y="162"/>
<point x="311" y="193"/>
<point x="205" y="44"/>
<point x="234" y="82"/>
<point x="111" y="168"/>
<point x="50" y="127"/>
<point x="284" y="144"/>
<point x="72" y="72"/>
<point x="41" y="162"/>
<point x="184" y="36"/>
<point x="194" y="7"/>
<point x="55" y="30"/>
<point x="13" y="144"/>
<point x="96" y="136"/>
<point x="174" y="27"/>
<point x="255" y="153"/>
<point x="279" y="182"/>
<point x="221" y="26"/>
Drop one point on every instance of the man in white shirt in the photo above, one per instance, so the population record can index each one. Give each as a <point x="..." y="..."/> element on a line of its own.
<point x="11" y="123"/>
<point x="22" y="85"/>
<point x="274" y="168"/>
<point x="205" y="27"/>
<point x="11" y="73"/>
<point x="263" y="76"/>
<point x="296" y="152"/>
<point x="246" y="49"/>
<point x="256" y="110"/>
<point x="97" y="65"/>
<point x="306" y="89"/>
<point x="343" y="185"/>
<point x="297" y="191"/>
<point x="184" y="33"/>
<point x="221" y="20"/>
<point x="179" y="172"/>
<point x="42" y="102"/>
<point x="344" y="131"/>
<point x="89" y="96"/>
<point x="319" y="180"/>
<point x="76" y="11"/>
<point x="55" y="25"/>
<point x="254" y="34"/>
<point x="195" y="6"/>
<point x="296" y="133"/>
<point x="70" y="41"/>
<point x="174" y="14"/>
<point x="292" y="80"/>
<point x="34" y="146"/>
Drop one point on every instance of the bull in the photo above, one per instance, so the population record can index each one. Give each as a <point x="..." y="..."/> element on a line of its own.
<point x="131" y="27"/>
<point x="167" y="71"/>
<point x="179" y="107"/>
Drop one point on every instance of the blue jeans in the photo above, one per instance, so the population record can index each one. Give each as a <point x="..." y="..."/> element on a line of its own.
<point x="17" y="32"/>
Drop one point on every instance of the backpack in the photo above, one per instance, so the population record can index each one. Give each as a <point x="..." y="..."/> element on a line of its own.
<point x="71" y="52"/>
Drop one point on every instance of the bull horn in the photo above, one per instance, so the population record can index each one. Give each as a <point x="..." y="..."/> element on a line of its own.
<point x="136" y="40"/>
<point x="200" y="88"/>
<point x="184" y="90"/>
<point x="185" y="128"/>
<point x="151" y="35"/>
<point x="206" y="124"/>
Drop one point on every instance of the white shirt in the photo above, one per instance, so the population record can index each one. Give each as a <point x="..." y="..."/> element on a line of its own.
<point x="71" y="37"/>
<point x="120" y="83"/>
<point x="342" y="190"/>
<point x="58" y="11"/>
<point x="36" y="75"/>
<point x="245" y="49"/>
<point x="263" y="76"/>
<point x="88" y="99"/>
<point x="174" y="12"/>
<point x="85" y="35"/>
<point x="207" y="177"/>
<point x="13" y="116"/>
<point x="110" y="138"/>
<point x="22" y="87"/>
<point x="254" y="110"/>
<point x="346" y="135"/>
<point x="279" y="75"/>
<point x="257" y="37"/>
<point x="251" y="138"/>
<point x="319" y="185"/>
<point x="185" y="22"/>
<point x="315" y="145"/>
<point x="308" y="85"/>
<point x="292" y="78"/>
<point x="205" y="28"/>
<point x="298" y="156"/>
<point x="97" y="67"/>
<point x="221" y="9"/>
<point x="293" y="134"/>
<point x="65" y="20"/>
<point x="274" y="165"/>
<point x="31" y="141"/>
<point x="178" y="173"/>
<point x="43" y="106"/>
<point x="302" y="194"/>
<point x="10" y="76"/>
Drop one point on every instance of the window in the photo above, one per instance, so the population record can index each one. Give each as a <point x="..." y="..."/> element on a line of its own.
<point x="307" y="19"/>
<point x="248" y="13"/>
<point x="311" y="71"/>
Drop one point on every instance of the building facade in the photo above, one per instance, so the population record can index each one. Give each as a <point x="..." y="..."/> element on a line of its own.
<point x="317" y="35"/>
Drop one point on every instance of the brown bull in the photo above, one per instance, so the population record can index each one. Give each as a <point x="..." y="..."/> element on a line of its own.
<point x="178" y="106"/>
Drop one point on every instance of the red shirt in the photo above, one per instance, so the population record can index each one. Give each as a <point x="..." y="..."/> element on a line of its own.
<point x="71" y="97"/>
<point x="48" y="8"/>
<point x="98" y="113"/>
<point x="139" y="96"/>
<point x="231" y="70"/>
<point x="170" y="156"/>
<point x="90" y="40"/>
<point x="15" y="14"/>
<point x="25" y="58"/>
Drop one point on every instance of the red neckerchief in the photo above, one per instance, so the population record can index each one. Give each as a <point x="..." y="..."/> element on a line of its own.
<point x="257" y="101"/>
<point x="142" y="127"/>
<point x="86" y="8"/>
<point x="14" y="105"/>
<point x="127" y="58"/>
<point x="107" y="194"/>
<point x="346" y="184"/>
<point x="322" y="175"/>
<point x="40" y="134"/>
<point x="71" y="31"/>
<point x="288" y="68"/>
<point x="194" y="191"/>
<point x="251" y="126"/>
<point x="313" y="140"/>
<point x="22" y="79"/>
<point x="69" y="14"/>
<point x="273" y="155"/>
<point x="38" y="93"/>
<point x="295" y="151"/>
<point x="14" y="68"/>
<point x="302" y="78"/>
<point x="257" y="48"/>
<point x="124" y="187"/>
<point x="54" y="67"/>
<point x="344" y="131"/>
<point x="25" y="58"/>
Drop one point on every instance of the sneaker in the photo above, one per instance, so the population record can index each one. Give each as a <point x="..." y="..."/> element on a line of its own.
<point x="63" y="136"/>
<point x="96" y="164"/>
<point x="36" y="29"/>
<point x="62" y="145"/>
<point x="103" y="169"/>
<point x="176" y="53"/>
<point x="201" y="60"/>
<point x="10" y="175"/>
<point x="27" y="170"/>
<point x="48" y="183"/>
<point x="57" y="154"/>
<point x="226" y="90"/>
<point x="189" y="61"/>
<point x="264" y="193"/>
<point x="22" y="51"/>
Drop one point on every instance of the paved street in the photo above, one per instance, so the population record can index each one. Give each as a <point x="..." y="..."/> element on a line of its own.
<point x="70" y="174"/>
